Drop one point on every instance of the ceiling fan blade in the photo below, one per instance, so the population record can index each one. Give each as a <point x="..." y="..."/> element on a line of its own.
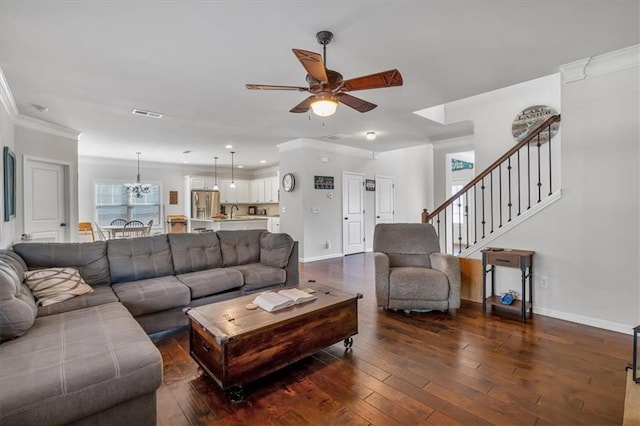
<point x="355" y="103"/>
<point x="379" y="80"/>
<point x="272" y="87"/>
<point x="303" y="106"/>
<point x="313" y="63"/>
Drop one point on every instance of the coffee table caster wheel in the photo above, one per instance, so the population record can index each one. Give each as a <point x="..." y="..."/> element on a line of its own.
<point x="236" y="394"/>
<point x="348" y="342"/>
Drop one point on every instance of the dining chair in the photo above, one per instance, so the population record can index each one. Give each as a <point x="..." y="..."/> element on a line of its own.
<point x="133" y="228"/>
<point x="148" y="229"/>
<point x="101" y="234"/>
<point x="86" y="228"/>
<point x="118" y="222"/>
<point x="117" y="233"/>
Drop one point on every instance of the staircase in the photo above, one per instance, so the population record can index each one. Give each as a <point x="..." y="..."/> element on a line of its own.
<point x="514" y="187"/>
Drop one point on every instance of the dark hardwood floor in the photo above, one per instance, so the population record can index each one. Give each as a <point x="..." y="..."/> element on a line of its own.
<point x="427" y="368"/>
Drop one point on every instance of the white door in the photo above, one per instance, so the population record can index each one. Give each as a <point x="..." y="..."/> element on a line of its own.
<point x="353" y="213"/>
<point x="385" y="196"/>
<point x="45" y="215"/>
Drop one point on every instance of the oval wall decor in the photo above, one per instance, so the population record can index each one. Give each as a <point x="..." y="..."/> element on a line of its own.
<point x="529" y="118"/>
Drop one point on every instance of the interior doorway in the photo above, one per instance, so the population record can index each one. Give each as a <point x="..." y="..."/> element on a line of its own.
<point x="460" y="170"/>
<point x="353" y="213"/>
<point x="46" y="200"/>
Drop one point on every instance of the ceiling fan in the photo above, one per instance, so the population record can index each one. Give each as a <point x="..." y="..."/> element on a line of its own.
<point x="327" y="87"/>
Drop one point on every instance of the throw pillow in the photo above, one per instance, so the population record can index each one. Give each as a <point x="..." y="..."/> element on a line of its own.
<point x="53" y="285"/>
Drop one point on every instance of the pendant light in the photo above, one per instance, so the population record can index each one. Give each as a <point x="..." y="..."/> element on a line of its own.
<point x="233" y="184"/>
<point x="137" y="190"/>
<point x="215" y="174"/>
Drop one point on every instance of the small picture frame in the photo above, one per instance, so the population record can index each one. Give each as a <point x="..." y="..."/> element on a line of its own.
<point x="9" y="167"/>
<point x="369" y="185"/>
<point x="323" y="182"/>
<point x="173" y="197"/>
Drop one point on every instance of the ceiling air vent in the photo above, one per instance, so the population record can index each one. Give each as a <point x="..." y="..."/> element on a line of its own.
<point x="337" y="137"/>
<point x="147" y="113"/>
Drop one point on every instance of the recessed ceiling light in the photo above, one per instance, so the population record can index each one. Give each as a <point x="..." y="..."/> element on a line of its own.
<point x="263" y="161"/>
<point x="228" y="146"/>
<point x="241" y="167"/>
<point x="371" y="136"/>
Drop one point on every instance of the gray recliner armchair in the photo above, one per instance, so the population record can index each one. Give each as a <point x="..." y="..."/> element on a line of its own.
<point x="411" y="273"/>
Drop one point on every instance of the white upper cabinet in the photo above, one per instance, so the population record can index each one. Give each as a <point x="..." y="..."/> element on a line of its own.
<point x="202" y="182"/>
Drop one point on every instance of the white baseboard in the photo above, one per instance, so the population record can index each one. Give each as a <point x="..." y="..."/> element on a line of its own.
<point x="323" y="257"/>
<point x="581" y="319"/>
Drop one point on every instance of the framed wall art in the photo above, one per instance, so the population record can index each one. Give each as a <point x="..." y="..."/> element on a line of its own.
<point x="9" y="165"/>
<point x="323" y="182"/>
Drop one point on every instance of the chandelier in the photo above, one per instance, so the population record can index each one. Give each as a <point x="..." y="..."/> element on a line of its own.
<point x="137" y="190"/>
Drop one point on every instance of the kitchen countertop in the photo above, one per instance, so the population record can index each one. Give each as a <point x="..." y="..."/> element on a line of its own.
<point x="235" y="219"/>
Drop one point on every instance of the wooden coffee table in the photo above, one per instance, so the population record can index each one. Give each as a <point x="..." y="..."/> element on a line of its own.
<point x="235" y="345"/>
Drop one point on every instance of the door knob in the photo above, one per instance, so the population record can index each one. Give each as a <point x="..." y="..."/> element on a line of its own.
<point x="63" y="224"/>
<point x="346" y="218"/>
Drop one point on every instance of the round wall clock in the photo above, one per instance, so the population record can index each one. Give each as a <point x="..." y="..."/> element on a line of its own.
<point x="288" y="182"/>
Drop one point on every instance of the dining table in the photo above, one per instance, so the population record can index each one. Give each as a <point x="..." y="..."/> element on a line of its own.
<point x="116" y="231"/>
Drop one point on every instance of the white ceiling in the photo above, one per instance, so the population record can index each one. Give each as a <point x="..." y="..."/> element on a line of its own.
<point x="90" y="63"/>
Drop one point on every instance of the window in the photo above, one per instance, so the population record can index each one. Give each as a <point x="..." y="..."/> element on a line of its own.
<point x="113" y="202"/>
<point x="459" y="205"/>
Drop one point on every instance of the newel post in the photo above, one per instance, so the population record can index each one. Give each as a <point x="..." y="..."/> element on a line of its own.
<point x="425" y="215"/>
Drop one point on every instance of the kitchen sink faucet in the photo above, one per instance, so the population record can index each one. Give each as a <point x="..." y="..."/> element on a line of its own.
<point x="231" y="210"/>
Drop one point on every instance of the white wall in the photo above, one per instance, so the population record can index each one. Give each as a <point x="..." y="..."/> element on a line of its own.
<point x="411" y="168"/>
<point x="7" y="229"/>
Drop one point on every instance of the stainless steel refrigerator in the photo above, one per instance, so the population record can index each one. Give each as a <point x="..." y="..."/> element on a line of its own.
<point x="204" y="204"/>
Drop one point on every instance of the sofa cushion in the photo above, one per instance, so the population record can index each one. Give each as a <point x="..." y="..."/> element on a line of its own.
<point x="133" y="259"/>
<point x="152" y="295"/>
<point x="258" y="276"/>
<point x="211" y="281"/>
<point x="240" y="247"/>
<point x="195" y="252"/>
<point x="54" y="285"/>
<point x="100" y="295"/>
<point x="408" y="283"/>
<point x="72" y="365"/>
<point x="17" y="305"/>
<point x="275" y="249"/>
<point x="88" y="258"/>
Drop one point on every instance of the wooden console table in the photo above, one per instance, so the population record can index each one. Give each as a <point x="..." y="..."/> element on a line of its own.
<point x="510" y="258"/>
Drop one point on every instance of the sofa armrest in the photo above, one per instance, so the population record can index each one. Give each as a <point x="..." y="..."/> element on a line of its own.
<point x="450" y="266"/>
<point x="382" y="278"/>
<point x="293" y="274"/>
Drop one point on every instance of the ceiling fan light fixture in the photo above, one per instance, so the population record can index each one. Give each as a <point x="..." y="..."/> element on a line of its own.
<point x="324" y="107"/>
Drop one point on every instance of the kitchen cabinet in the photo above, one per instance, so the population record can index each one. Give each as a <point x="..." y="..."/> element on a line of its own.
<point x="275" y="190"/>
<point x="273" y="224"/>
<point x="264" y="190"/>
<point x="202" y="182"/>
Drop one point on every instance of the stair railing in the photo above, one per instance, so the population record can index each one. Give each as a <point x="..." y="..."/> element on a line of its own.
<point x="491" y="200"/>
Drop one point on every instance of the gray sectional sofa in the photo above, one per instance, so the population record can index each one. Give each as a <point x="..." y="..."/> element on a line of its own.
<point x="89" y="359"/>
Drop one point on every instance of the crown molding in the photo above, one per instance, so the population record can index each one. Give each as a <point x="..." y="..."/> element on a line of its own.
<point x="9" y="103"/>
<point x="6" y="97"/>
<point x="606" y="63"/>
<point x="318" y="145"/>
<point x="46" y="127"/>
